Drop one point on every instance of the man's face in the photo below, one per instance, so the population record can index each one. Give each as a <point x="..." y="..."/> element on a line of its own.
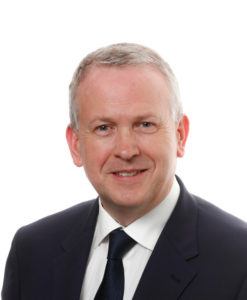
<point x="127" y="141"/>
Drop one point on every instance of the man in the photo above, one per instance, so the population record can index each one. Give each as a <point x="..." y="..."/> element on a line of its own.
<point x="127" y="130"/>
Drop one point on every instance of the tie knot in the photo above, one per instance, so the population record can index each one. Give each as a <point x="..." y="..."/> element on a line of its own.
<point x="119" y="244"/>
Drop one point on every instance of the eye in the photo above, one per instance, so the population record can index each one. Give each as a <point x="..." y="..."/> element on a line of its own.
<point x="104" y="129"/>
<point x="146" y="124"/>
<point x="147" y="127"/>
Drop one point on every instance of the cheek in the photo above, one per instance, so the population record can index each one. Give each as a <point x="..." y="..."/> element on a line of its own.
<point x="164" y="153"/>
<point x="95" y="154"/>
<point x="161" y="145"/>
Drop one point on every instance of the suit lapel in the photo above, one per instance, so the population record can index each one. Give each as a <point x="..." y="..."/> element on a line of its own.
<point x="69" y="268"/>
<point x="169" y="271"/>
<point x="166" y="275"/>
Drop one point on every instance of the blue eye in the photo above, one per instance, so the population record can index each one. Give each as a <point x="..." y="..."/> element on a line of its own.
<point x="147" y="127"/>
<point x="103" y="127"/>
<point x="103" y="130"/>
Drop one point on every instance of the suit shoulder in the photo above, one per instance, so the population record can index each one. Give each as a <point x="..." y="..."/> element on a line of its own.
<point x="218" y="215"/>
<point x="57" y="224"/>
<point x="215" y="222"/>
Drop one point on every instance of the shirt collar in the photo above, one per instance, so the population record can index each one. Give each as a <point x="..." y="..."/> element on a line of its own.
<point x="105" y="224"/>
<point x="145" y="230"/>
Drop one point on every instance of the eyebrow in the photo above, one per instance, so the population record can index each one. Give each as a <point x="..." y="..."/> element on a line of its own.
<point x="101" y="118"/>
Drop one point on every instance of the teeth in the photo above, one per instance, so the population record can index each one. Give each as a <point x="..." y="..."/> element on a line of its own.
<point x="127" y="174"/>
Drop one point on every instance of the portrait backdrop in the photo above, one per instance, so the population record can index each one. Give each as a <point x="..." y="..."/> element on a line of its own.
<point x="42" y="42"/>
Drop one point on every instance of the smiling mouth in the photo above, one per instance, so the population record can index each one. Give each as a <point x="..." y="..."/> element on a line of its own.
<point x="130" y="173"/>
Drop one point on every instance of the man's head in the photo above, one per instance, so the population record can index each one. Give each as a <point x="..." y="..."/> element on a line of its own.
<point x="127" y="129"/>
<point x="124" y="54"/>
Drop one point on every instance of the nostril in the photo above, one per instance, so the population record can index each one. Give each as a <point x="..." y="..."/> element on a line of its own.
<point x="127" y="154"/>
<point x="126" y="150"/>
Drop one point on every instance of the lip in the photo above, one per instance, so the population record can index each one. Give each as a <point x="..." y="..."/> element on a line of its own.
<point x="136" y="174"/>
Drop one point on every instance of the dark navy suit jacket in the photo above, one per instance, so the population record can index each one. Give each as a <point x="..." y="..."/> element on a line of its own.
<point x="200" y="255"/>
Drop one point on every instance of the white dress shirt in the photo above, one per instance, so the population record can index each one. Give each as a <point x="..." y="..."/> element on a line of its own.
<point x="145" y="231"/>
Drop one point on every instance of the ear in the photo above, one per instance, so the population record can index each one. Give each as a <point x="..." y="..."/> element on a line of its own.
<point x="74" y="145"/>
<point x="182" y="134"/>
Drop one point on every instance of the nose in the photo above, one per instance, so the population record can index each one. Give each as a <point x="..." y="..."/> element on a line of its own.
<point x="126" y="146"/>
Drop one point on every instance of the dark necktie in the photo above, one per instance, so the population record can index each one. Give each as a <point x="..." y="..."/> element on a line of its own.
<point x="112" y="285"/>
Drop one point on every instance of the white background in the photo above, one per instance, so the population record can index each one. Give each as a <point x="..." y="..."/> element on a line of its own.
<point x="41" y="44"/>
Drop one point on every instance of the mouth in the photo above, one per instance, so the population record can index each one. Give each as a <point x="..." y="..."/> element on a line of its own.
<point x="128" y="173"/>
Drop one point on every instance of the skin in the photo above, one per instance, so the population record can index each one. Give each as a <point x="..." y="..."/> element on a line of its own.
<point x="126" y="128"/>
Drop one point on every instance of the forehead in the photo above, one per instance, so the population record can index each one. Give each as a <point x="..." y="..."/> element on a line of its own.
<point x="134" y="88"/>
<point x="129" y="73"/>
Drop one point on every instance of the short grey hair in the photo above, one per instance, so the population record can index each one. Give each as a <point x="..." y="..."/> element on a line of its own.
<point x="124" y="54"/>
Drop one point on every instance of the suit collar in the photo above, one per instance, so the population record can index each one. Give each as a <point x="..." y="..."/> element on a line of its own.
<point x="181" y="229"/>
<point x="69" y="267"/>
<point x="169" y="271"/>
<point x="86" y="224"/>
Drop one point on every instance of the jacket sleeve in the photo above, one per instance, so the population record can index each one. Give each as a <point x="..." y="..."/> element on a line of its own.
<point x="10" y="290"/>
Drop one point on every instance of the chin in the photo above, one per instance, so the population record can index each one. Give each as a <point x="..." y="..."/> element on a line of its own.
<point x="131" y="204"/>
<point x="124" y="201"/>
